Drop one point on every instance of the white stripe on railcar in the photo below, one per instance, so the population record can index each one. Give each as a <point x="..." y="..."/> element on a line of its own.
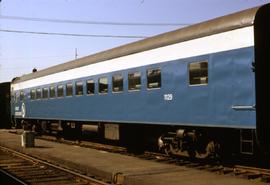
<point x="225" y="41"/>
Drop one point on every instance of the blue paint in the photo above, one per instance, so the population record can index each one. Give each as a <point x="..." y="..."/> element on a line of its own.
<point x="230" y="83"/>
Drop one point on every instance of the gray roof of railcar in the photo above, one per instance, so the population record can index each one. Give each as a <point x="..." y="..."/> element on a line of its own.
<point x="221" y="24"/>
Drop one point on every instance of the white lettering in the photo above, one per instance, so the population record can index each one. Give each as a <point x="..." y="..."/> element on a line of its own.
<point x="168" y="97"/>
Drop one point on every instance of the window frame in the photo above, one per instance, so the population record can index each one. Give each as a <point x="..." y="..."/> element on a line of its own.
<point x="104" y="77"/>
<point x="35" y="94"/>
<point x="207" y="73"/>
<point x="38" y="94"/>
<point x="17" y="97"/>
<point x="76" y="88"/>
<point x="113" y="81"/>
<point x="57" y="92"/>
<point x="147" y="80"/>
<point x="87" y="89"/>
<point x="140" y="77"/>
<point x="44" y="89"/>
<point x="50" y="95"/>
<point x="68" y="85"/>
<point x="22" y="95"/>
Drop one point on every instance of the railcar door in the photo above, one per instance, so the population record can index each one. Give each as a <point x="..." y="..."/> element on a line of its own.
<point x="244" y="104"/>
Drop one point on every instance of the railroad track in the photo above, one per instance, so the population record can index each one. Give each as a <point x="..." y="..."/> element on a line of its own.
<point x="253" y="172"/>
<point x="28" y="170"/>
<point x="247" y="172"/>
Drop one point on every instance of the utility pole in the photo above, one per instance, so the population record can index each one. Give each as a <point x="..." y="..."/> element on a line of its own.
<point x="76" y="52"/>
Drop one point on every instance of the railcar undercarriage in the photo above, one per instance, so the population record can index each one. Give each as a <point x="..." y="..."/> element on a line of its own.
<point x="193" y="142"/>
<point x="189" y="144"/>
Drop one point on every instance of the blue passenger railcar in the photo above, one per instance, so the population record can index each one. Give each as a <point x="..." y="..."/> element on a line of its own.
<point x="198" y="89"/>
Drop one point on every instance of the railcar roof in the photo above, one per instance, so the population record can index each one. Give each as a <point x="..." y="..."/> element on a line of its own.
<point x="217" y="25"/>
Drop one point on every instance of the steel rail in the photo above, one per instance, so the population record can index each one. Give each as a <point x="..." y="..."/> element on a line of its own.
<point x="248" y="172"/>
<point x="29" y="158"/>
<point x="262" y="171"/>
<point x="13" y="177"/>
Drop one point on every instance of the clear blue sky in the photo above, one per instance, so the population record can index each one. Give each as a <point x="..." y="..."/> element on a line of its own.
<point x="20" y="53"/>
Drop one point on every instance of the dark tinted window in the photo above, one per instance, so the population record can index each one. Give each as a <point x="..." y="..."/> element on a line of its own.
<point x="13" y="96"/>
<point x="198" y="73"/>
<point x="38" y="96"/>
<point x="16" y="97"/>
<point x="103" y="85"/>
<point x="45" y="93"/>
<point x="33" y="94"/>
<point x="79" y="88"/>
<point x="90" y="85"/>
<point x="153" y="78"/>
<point x="22" y="95"/>
<point x="52" y="92"/>
<point x="134" y="81"/>
<point x="60" y="91"/>
<point x="69" y="89"/>
<point x="117" y="83"/>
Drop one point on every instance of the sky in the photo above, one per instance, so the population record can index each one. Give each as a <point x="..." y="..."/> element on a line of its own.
<point x="98" y="24"/>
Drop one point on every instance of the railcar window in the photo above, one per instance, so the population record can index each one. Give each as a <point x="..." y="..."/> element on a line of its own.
<point x="117" y="83"/>
<point x="17" y="97"/>
<point x="69" y="89"/>
<point x="103" y="85"/>
<point x="134" y="81"/>
<point x="45" y="93"/>
<point x="60" y="91"/>
<point x="38" y="96"/>
<point x="52" y="92"/>
<point x="22" y="95"/>
<point x="198" y="73"/>
<point x="90" y="85"/>
<point x="13" y="97"/>
<point x="153" y="78"/>
<point x="79" y="88"/>
<point x="33" y="94"/>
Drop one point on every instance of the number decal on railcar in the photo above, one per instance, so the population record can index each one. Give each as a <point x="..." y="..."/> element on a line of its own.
<point x="168" y="97"/>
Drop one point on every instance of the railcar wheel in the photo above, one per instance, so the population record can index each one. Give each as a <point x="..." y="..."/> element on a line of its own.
<point x="212" y="150"/>
<point x="189" y="145"/>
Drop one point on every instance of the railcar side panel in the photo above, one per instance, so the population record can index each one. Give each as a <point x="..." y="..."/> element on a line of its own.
<point x="230" y="84"/>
